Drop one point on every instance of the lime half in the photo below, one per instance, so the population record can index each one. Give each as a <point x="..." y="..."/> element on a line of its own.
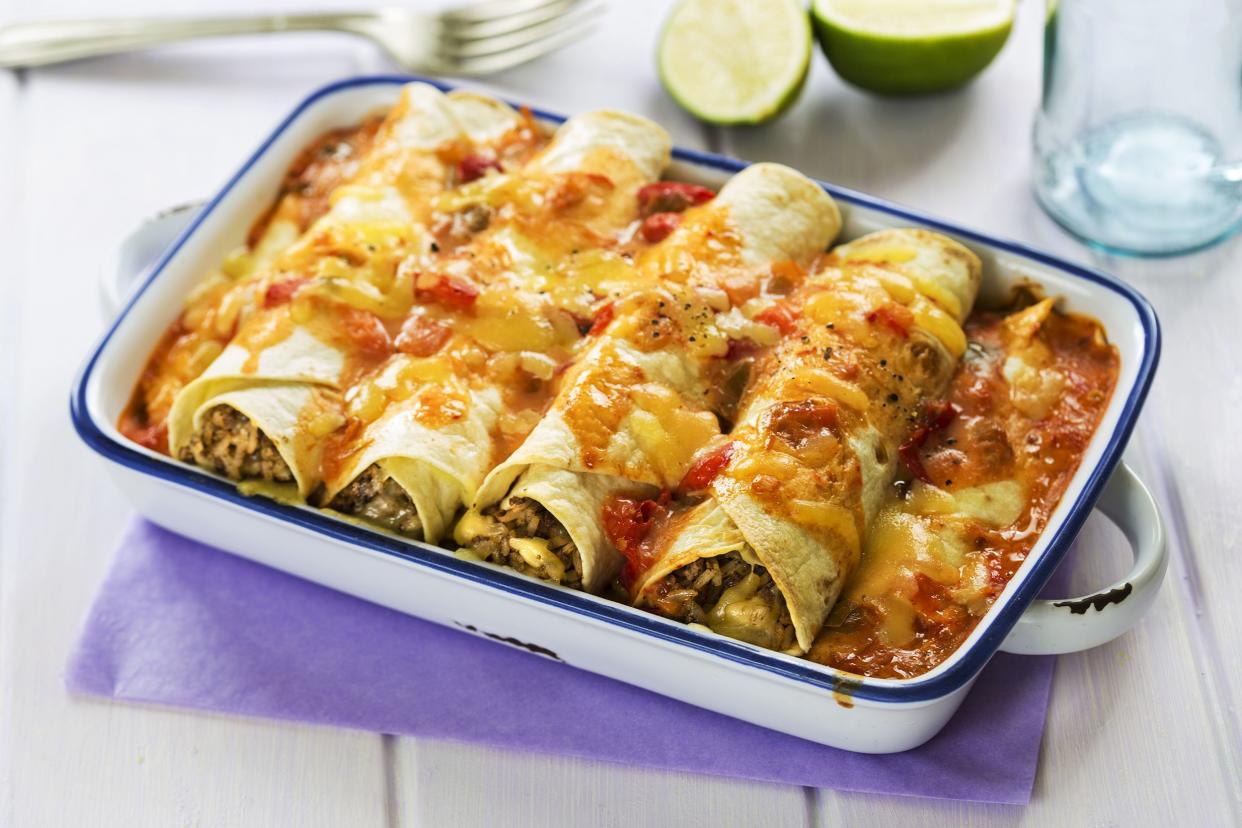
<point x="910" y="47"/>
<point x="735" y="61"/>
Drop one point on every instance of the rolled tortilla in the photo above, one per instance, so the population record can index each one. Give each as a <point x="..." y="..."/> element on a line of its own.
<point x="631" y="413"/>
<point x="286" y="367"/>
<point x="764" y="558"/>
<point x="413" y="472"/>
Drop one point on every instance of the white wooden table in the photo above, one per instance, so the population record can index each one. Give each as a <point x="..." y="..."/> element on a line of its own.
<point x="1142" y="731"/>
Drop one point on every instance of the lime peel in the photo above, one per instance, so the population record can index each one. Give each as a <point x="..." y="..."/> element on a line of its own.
<point x="905" y="47"/>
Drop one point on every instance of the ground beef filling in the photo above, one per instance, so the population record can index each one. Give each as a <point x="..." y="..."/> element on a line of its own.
<point x="377" y="498"/>
<point x="228" y="443"/>
<point x="755" y="612"/>
<point x="523" y="518"/>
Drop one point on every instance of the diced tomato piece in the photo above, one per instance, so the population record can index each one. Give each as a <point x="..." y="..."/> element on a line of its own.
<point x="279" y="293"/>
<point x="575" y="187"/>
<point x="741" y="348"/>
<point x="798" y="423"/>
<point x="706" y="468"/>
<point x="446" y="291"/>
<point x="422" y="337"/>
<point x="152" y="435"/>
<point x="584" y="324"/>
<point x="627" y="523"/>
<point x="939" y="413"/>
<point x="779" y="316"/>
<point x="366" y="331"/>
<point x="603" y="317"/>
<point x="936" y="415"/>
<point x="897" y="318"/>
<point x="658" y="226"/>
<point x="786" y="275"/>
<point x="474" y="167"/>
<point x="740" y="288"/>
<point x="671" y="197"/>
<point x="910" y="456"/>
<point x="623" y="522"/>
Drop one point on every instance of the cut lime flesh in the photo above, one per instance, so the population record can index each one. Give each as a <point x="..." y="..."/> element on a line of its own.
<point x="735" y="61"/>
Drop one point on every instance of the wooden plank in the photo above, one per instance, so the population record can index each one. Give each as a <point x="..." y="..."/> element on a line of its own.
<point x="445" y="783"/>
<point x="101" y="145"/>
<point x="1192" y="434"/>
<point x="1147" y="725"/>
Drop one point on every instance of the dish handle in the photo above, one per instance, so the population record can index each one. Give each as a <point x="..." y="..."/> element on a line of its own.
<point x="138" y="253"/>
<point x="1067" y="625"/>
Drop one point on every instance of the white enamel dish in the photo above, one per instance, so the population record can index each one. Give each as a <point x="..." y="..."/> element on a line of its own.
<point x="727" y="676"/>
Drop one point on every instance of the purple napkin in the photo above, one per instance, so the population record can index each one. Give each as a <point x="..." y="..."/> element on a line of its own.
<point x="183" y="624"/>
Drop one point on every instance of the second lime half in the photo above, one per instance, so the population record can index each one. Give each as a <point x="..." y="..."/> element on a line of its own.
<point x="910" y="47"/>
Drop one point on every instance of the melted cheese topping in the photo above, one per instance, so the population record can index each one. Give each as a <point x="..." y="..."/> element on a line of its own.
<point x="815" y="381"/>
<point x="669" y="432"/>
<point x="928" y="535"/>
<point x="844" y="310"/>
<point x="741" y="614"/>
<point x="940" y="325"/>
<point x="539" y="557"/>
<point x="1035" y="385"/>
<point x="998" y="503"/>
<point x="827" y="517"/>
<point x="472" y="524"/>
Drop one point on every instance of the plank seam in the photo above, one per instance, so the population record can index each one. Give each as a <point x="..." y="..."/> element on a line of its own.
<point x="1204" y="641"/>
<point x="11" y="185"/>
<point x="811" y="798"/>
<point x="392" y="800"/>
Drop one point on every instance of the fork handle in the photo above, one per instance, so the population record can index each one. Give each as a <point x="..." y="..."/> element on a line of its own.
<point x="56" y="41"/>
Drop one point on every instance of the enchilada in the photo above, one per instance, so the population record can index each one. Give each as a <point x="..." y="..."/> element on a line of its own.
<point x="595" y="305"/>
<point x="316" y="320"/>
<point x="438" y="415"/>
<point x="633" y="410"/>
<point x="790" y="494"/>
<point x="976" y="492"/>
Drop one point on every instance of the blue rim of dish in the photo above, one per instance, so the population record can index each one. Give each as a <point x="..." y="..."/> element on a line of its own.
<point x="923" y="689"/>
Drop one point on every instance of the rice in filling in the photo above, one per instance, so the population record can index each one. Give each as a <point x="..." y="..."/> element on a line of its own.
<point x="230" y="444"/>
<point x="377" y="498"/>
<point x="522" y="518"/>
<point x="756" y="611"/>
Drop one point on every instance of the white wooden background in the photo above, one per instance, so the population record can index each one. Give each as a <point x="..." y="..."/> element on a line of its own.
<point x="1142" y="731"/>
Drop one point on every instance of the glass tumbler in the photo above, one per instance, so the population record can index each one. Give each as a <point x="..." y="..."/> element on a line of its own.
<point x="1138" y="141"/>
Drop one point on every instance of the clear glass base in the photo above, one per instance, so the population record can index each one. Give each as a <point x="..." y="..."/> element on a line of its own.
<point x="1147" y="184"/>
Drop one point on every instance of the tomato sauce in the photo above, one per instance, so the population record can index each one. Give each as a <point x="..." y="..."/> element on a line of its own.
<point x="320" y="168"/>
<point x="985" y="439"/>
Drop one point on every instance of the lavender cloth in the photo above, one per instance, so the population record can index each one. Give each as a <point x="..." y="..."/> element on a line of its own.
<point x="182" y="624"/>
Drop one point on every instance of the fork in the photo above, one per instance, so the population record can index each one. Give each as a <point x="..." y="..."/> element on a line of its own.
<point x="478" y="39"/>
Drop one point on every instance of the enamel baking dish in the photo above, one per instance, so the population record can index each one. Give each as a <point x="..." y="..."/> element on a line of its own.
<point x="702" y="668"/>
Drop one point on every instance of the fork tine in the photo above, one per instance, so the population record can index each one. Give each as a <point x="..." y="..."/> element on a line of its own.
<point x="488" y="64"/>
<point x="511" y="41"/>
<point x="547" y="10"/>
<point x="490" y="10"/>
